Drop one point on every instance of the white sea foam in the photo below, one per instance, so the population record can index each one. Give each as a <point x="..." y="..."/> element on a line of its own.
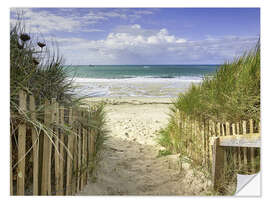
<point x="139" y="86"/>
<point x="146" y="79"/>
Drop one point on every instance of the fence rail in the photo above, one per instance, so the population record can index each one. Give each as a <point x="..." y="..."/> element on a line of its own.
<point x="50" y="154"/>
<point x="218" y="145"/>
<point x="241" y="154"/>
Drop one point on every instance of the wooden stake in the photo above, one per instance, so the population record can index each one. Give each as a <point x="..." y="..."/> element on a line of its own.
<point x="217" y="165"/>
<point x="79" y="156"/>
<point x="21" y="146"/>
<point x="62" y="152"/>
<point x="46" y="154"/>
<point x="35" y="143"/>
<point x="57" y="150"/>
<point x="244" y="125"/>
<point x="234" y="150"/>
<point x="252" y="150"/>
<point x="69" y="159"/>
<point x="10" y="167"/>
<point x="238" y="148"/>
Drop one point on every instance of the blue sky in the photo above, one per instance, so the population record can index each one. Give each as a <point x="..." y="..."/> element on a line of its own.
<point x="145" y="35"/>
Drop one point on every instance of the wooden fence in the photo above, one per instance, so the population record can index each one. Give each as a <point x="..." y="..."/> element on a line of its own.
<point x="219" y="145"/>
<point x="195" y="134"/>
<point x="53" y="161"/>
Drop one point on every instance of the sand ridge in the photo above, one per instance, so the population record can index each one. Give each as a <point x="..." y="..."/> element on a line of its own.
<point x="129" y="163"/>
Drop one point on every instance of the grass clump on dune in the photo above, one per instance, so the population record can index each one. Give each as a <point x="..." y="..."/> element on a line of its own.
<point x="231" y="94"/>
<point x="36" y="67"/>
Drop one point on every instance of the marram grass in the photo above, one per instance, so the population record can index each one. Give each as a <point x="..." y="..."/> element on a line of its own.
<point x="230" y="95"/>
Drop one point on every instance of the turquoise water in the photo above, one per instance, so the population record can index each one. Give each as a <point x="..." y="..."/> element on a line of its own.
<point x="134" y="71"/>
<point x="136" y="80"/>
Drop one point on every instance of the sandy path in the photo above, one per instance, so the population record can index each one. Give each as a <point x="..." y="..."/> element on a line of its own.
<point x="128" y="161"/>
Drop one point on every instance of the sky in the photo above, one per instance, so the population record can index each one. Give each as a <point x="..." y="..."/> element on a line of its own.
<point x="107" y="36"/>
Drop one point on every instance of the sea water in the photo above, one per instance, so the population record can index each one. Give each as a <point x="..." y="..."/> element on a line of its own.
<point x="136" y="80"/>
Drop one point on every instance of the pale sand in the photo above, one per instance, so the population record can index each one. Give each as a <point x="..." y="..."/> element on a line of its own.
<point x="128" y="163"/>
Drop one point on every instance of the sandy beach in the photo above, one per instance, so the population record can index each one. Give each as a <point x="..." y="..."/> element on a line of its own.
<point x="129" y="163"/>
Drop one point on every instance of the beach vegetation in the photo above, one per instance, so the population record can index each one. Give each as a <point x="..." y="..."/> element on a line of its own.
<point x="231" y="94"/>
<point x="36" y="67"/>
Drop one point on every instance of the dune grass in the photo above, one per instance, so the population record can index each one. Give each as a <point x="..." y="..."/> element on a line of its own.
<point x="37" y="68"/>
<point x="231" y="94"/>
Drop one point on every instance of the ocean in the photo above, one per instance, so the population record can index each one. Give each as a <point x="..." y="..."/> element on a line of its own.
<point x="136" y="80"/>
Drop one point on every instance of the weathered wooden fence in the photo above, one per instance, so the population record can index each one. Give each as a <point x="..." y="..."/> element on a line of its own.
<point x="53" y="158"/>
<point x="219" y="145"/>
<point x="196" y="133"/>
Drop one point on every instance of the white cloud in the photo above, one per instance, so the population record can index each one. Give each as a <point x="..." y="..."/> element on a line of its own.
<point x="155" y="47"/>
<point x="47" y="21"/>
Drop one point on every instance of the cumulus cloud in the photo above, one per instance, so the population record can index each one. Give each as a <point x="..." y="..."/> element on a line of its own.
<point x="153" y="47"/>
<point x="130" y="43"/>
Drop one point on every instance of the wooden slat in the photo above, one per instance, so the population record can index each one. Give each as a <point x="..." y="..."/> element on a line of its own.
<point x="61" y="150"/>
<point x="10" y="167"/>
<point x="211" y="134"/>
<point x="35" y="143"/>
<point x="226" y="151"/>
<point x="203" y="142"/>
<point x="234" y="150"/>
<point x="21" y="147"/>
<point x="69" y="159"/>
<point x="50" y="116"/>
<point x="218" y="130"/>
<point x="57" y="151"/>
<point x="227" y="128"/>
<point x="88" y="149"/>
<point x="252" y="150"/>
<point x="217" y="165"/>
<point x="79" y="156"/>
<point x="46" y="153"/>
<point x="74" y="182"/>
<point x="83" y="155"/>
<point x="248" y="140"/>
<point x="92" y="145"/>
<point x="244" y="125"/>
<point x="239" y="148"/>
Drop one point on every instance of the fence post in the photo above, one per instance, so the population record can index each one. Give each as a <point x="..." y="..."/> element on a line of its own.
<point x="75" y="177"/>
<point x="252" y="150"/>
<point x="10" y="167"/>
<point x="61" y="150"/>
<point x="79" y="152"/>
<point x="83" y="151"/>
<point x="217" y="165"/>
<point x="21" y="146"/>
<point x="57" y="149"/>
<point x="69" y="159"/>
<point x="45" y="190"/>
<point x="234" y="150"/>
<point x="35" y="143"/>
<point x="238" y="148"/>
<point x="244" y="125"/>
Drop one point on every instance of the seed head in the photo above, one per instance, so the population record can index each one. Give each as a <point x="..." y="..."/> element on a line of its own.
<point x="41" y="45"/>
<point x="25" y="37"/>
